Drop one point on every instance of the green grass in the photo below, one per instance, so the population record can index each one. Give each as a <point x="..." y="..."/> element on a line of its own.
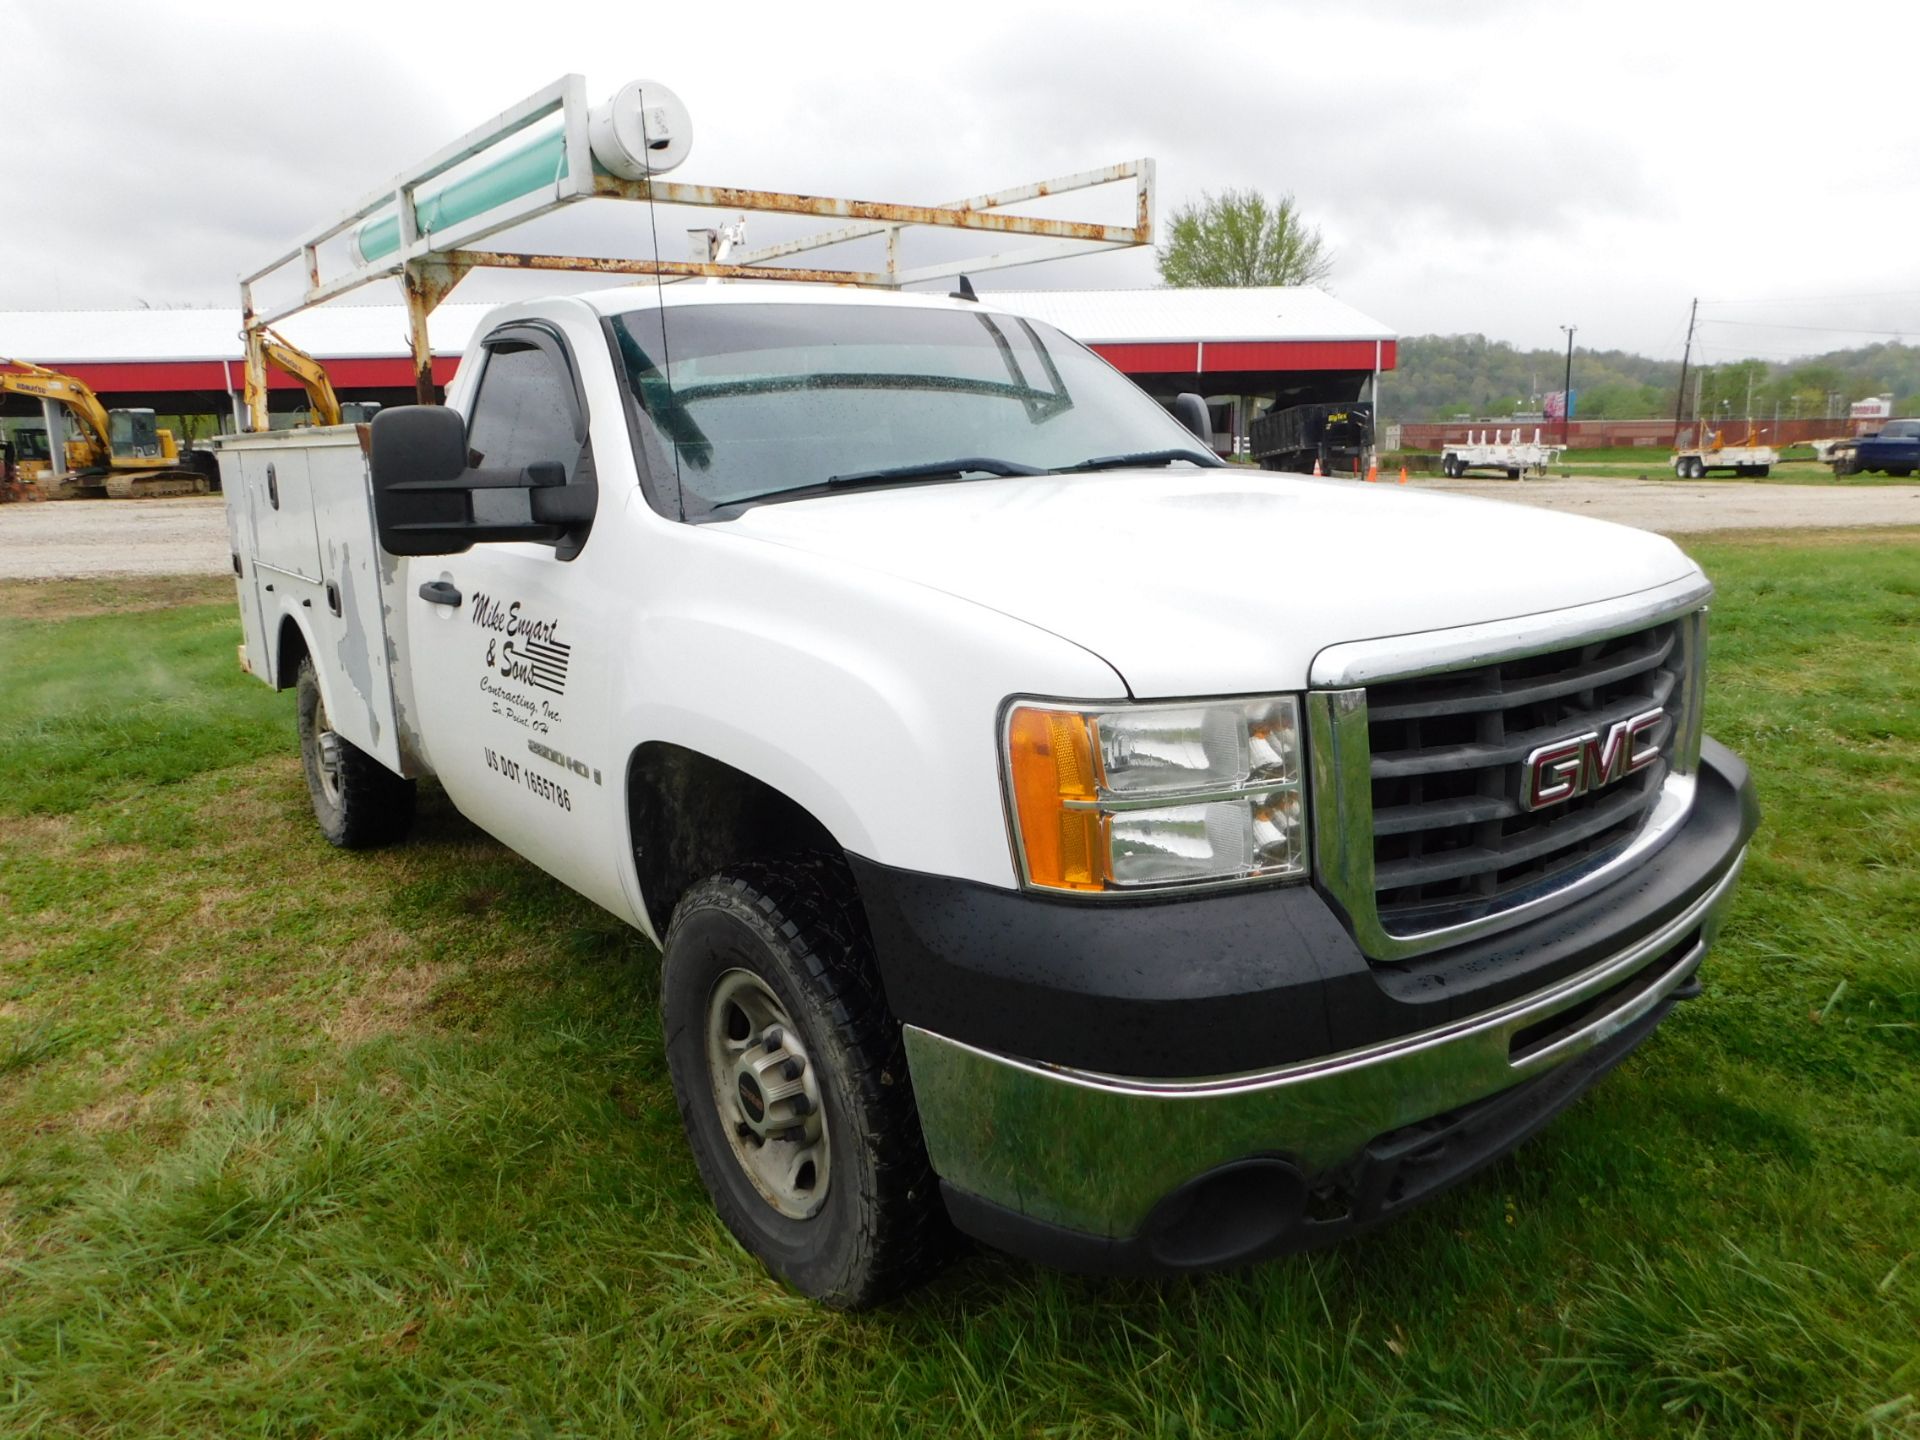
<point x="295" y="1142"/>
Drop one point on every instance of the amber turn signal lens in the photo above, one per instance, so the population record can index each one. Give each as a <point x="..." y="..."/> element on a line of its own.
<point x="1050" y="754"/>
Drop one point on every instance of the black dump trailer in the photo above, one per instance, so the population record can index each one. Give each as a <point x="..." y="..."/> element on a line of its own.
<point x="1338" y="436"/>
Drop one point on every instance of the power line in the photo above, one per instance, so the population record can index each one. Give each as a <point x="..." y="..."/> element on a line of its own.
<point x="1819" y="299"/>
<point x="1823" y="329"/>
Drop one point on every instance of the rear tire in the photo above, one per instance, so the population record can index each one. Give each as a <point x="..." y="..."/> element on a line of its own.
<point x="791" y="1077"/>
<point x="358" y="802"/>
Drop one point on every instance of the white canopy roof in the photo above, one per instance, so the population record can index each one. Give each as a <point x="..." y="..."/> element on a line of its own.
<point x="334" y="332"/>
<point x="1119" y="317"/>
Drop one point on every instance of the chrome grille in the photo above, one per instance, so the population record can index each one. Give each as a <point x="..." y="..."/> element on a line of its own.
<point x="1420" y="833"/>
<point x="1450" y="837"/>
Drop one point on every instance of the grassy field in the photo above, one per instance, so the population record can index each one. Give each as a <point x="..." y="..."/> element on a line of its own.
<point x="295" y="1142"/>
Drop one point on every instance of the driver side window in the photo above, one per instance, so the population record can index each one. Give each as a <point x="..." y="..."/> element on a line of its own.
<point x="524" y="412"/>
<point x="528" y="411"/>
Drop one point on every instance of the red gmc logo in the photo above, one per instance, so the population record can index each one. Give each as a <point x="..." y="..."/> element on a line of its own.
<point x="1556" y="773"/>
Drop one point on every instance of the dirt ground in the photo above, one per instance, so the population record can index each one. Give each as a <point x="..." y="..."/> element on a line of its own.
<point x="77" y="538"/>
<point x="62" y="539"/>
<point x="1687" y="507"/>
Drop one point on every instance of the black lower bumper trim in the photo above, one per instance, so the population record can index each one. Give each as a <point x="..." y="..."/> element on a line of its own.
<point x="1245" y="979"/>
<point x="1262" y="1206"/>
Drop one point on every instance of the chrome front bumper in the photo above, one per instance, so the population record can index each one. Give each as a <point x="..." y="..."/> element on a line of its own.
<point x="1094" y="1153"/>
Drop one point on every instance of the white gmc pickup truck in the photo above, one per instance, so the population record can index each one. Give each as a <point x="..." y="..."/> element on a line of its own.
<point x="1136" y="862"/>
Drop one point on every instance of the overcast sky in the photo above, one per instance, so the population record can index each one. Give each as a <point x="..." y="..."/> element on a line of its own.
<point x="1497" y="166"/>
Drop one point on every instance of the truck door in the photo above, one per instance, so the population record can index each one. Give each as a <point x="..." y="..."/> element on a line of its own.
<point x="510" y="678"/>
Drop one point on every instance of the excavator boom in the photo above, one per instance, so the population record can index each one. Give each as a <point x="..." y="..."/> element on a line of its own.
<point x="277" y="350"/>
<point x="23" y="377"/>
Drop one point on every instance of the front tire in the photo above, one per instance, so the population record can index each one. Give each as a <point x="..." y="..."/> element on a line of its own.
<point x="791" y="1077"/>
<point x="358" y="802"/>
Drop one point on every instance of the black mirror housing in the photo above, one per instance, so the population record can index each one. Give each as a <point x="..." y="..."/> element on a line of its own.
<point x="1191" y="411"/>
<point x="428" y="501"/>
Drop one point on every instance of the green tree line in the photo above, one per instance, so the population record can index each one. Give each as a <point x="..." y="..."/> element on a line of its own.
<point x="1440" y="377"/>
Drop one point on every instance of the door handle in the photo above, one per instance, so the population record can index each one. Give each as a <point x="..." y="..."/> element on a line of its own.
<point x="440" y="592"/>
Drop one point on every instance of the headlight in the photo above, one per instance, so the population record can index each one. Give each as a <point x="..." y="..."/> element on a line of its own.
<point x="1138" y="796"/>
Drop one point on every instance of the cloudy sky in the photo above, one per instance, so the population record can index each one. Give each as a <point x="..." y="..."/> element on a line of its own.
<point x="1500" y="166"/>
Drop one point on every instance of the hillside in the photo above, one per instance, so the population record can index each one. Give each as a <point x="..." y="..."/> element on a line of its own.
<point x="1443" y="376"/>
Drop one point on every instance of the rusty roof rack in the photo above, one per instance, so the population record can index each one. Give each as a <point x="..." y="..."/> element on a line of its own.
<point x="584" y="158"/>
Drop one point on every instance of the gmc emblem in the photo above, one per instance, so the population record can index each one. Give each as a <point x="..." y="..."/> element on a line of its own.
<point x="1557" y="772"/>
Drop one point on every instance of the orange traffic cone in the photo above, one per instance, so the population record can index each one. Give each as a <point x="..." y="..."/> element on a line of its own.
<point x="1316" y="465"/>
<point x="1403" y="474"/>
<point x="1373" y="470"/>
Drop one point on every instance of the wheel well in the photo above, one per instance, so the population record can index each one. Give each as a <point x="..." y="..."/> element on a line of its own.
<point x="690" y="816"/>
<point x="288" y="654"/>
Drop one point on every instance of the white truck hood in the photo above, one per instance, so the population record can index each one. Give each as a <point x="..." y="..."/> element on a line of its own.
<point x="1221" y="581"/>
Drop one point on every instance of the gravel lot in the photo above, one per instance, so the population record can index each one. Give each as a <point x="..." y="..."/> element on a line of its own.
<point x="59" y="539"/>
<point x="1686" y="507"/>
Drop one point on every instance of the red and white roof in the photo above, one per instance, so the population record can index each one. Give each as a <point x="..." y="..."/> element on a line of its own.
<point x="1189" y="331"/>
<point x="1205" y="330"/>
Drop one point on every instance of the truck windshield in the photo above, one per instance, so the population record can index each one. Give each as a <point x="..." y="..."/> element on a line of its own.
<point x="765" y="400"/>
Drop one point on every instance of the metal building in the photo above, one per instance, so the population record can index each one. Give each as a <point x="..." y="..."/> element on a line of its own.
<point x="1243" y="349"/>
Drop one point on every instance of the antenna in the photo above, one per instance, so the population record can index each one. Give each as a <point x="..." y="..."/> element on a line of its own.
<point x="660" y="299"/>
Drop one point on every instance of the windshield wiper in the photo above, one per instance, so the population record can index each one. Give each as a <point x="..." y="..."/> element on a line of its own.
<point x="934" y="469"/>
<point x="1141" y="457"/>
<point x="854" y="479"/>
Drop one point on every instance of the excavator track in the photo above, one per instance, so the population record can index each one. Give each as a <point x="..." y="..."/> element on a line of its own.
<point x="148" y="484"/>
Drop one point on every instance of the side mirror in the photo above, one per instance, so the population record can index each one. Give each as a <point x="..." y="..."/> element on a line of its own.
<point x="428" y="501"/>
<point x="1191" y="411"/>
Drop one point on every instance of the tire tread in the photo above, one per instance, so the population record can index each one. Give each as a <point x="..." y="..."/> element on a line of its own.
<point x="810" y="902"/>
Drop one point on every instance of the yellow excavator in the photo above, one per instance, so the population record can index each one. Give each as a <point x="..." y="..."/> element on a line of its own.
<point x="118" y="453"/>
<point x="285" y="355"/>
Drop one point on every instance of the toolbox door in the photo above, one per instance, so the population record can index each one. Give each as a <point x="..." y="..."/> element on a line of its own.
<point x="280" y="495"/>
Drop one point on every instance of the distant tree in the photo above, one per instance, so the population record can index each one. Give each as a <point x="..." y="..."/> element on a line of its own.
<point x="1616" y="401"/>
<point x="1725" y="388"/>
<point x="1240" y="238"/>
<point x="1442" y="375"/>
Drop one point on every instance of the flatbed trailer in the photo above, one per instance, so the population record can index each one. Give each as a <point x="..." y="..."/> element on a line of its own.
<point x="1751" y="460"/>
<point x="1504" y="452"/>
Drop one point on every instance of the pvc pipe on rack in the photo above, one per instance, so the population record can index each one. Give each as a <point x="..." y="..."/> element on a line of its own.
<point x="628" y="141"/>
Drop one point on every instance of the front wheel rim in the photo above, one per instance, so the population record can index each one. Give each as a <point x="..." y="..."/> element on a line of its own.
<point x="766" y="1094"/>
<point x="326" y="753"/>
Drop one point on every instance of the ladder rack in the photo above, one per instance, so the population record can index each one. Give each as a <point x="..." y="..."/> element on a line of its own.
<point x="430" y="261"/>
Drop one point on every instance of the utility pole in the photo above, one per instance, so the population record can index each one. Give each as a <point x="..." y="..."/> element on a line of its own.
<point x="1566" y="389"/>
<point x="1680" y="390"/>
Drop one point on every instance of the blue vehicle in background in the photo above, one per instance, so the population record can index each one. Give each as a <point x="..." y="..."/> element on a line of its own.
<point x="1893" y="450"/>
